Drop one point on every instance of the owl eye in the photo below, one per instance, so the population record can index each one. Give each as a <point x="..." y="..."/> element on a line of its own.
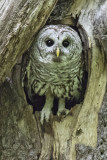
<point x="65" y="43"/>
<point x="49" y="42"/>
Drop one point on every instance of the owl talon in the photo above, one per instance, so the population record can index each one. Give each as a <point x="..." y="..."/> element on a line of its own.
<point x="63" y="111"/>
<point x="46" y="111"/>
<point x="45" y="115"/>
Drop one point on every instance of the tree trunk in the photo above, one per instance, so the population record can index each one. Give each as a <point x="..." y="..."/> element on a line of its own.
<point x="19" y="21"/>
<point x="66" y="138"/>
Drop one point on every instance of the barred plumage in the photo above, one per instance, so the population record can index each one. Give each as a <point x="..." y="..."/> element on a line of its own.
<point x="55" y="67"/>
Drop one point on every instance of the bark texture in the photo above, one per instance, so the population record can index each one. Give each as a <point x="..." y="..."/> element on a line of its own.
<point x="19" y="21"/>
<point x="100" y="151"/>
<point x="21" y="134"/>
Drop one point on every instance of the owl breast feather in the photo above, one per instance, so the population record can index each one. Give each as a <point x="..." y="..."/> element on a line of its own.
<point x="62" y="80"/>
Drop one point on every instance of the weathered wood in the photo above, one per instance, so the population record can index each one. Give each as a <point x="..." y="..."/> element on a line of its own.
<point x="88" y="116"/>
<point x="19" y="21"/>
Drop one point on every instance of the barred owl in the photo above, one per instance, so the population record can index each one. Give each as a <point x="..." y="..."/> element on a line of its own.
<point x="54" y="67"/>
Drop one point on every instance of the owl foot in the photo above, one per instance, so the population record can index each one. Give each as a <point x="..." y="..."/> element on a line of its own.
<point x="62" y="110"/>
<point x="45" y="114"/>
<point x="46" y="111"/>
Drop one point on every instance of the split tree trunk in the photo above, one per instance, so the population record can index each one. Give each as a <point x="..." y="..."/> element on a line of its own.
<point x="21" y="134"/>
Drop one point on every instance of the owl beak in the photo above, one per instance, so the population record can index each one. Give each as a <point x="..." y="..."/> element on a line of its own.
<point x="57" y="52"/>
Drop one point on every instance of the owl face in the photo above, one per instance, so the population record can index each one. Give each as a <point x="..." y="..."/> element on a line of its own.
<point x="57" y="44"/>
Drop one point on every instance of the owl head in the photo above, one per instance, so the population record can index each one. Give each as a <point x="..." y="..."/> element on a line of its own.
<point x="57" y="44"/>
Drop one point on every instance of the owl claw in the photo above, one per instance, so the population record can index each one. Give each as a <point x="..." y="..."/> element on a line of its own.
<point x="62" y="111"/>
<point x="45" y="115"/>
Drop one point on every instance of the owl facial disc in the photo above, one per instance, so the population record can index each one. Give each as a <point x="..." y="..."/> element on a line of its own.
<point x="57" y="43"/>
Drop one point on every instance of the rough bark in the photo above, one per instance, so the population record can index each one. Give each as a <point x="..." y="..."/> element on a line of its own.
<point x="99" y="152"/>
<point x="21" y="134"/>
<point x="19" y="21"/>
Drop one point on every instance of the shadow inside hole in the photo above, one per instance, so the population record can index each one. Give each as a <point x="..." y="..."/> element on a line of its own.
<point x="36" y="101"/>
